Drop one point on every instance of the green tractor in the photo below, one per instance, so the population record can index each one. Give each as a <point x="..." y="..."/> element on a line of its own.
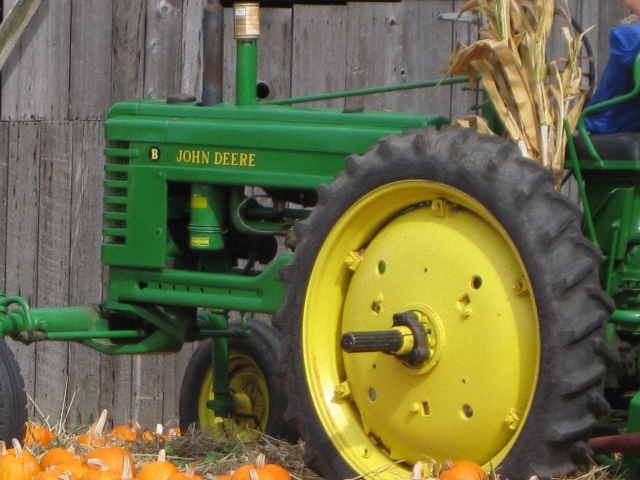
<point x="442" y="301"/>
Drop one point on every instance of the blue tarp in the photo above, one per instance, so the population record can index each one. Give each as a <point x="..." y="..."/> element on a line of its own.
<point x="616" y="80"/>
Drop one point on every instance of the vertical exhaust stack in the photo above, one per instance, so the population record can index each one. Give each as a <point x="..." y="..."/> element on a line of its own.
<point x="247" y="32"/>
<point x="213" y="41"/>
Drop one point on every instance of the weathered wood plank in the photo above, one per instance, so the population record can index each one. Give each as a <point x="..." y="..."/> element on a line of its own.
<point x="147" y="382"/>
<point x="86" y="283"/>
<point x="163" y="63"/>
<point x="54" y="217"/>
<point x="13" y="25"/>
<point x="22" y="209"/>
<point x="374" y="52"/>
<point x="427" y="45"/>
<point x="4" y="192"/>
<point x="274" y="51"/>
<point x="120" y="401"/>
<point x="128" y="60"/>
<point x="610" y="14"/>
<point x="191" y="75"/>
<point x="36" y="75"/>
<point x="54" y="214"/>
<point x="86" y="271"/>
<point x="588" y="18"/>
<point x="23" y="177"/>
<point x="90" y="61"/>
<point x="174" y="368"/>
<point x="463" y="99"/>
<point x="319" y="52"/>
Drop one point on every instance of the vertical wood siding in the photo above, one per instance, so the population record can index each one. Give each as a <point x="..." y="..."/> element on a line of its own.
<point x="77" y="58"/>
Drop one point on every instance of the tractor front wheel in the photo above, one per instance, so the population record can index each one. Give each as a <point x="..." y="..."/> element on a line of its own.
<point x="260" y="397"/>
<point x="463" y="246"/>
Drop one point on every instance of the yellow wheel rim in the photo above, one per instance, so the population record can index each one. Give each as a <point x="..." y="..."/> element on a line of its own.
<point x="251" y="395"/>
<point x="427" y="248"/>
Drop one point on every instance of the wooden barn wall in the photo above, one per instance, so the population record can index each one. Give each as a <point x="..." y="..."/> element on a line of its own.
<point x="76" y="58"/>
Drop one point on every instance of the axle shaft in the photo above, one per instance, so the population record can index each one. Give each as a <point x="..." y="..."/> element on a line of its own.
<point x="387" y="341"/>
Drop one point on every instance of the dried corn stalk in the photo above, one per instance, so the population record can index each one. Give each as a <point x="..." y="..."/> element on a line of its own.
<point x="532" y="97"/>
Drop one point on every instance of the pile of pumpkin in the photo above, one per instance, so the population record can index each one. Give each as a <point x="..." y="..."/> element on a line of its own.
<point x="108" y="458"/>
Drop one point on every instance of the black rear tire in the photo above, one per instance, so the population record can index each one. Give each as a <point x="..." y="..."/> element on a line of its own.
<point x="13" y="398"/>
<point x="477" y="176"/>
<point x="253" y="364"/>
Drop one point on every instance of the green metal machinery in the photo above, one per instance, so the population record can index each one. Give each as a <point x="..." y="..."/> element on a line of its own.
<point x="434" y="297"/>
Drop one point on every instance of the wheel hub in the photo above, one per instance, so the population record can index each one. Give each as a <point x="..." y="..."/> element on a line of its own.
<point x="250" y="398"/>
<point x="408" y="340"/>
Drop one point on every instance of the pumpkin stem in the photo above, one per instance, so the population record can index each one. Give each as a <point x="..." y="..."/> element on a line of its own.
<point x="103" y="467"/>
<point x="97" y="427"/>
<point x="3" y="448"/>
<point x="423" y="470"/>
<point x="191" y="471"/>
<point x="162" y="455"/>
<point x="17" y="447"/>
<point x="261" y="461"/>
<point x="127" y="472"/>
<point x="416" y="473"/>
<point x="253" y="474"/>
<point x="136" y="427"/>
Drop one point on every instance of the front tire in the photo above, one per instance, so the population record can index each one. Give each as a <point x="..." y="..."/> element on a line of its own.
<point x="463" y="231"/>
<point x="252" y="374"/>
<point x="13" y="398"/>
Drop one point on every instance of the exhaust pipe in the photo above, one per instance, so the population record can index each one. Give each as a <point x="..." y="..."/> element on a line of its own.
<point x="213" y="41"/>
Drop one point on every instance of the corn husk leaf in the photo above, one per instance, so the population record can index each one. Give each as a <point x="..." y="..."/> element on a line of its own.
<point x="474" y="121"/>
<point x="531" y="95"/>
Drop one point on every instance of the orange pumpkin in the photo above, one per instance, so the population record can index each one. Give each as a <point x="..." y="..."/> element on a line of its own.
<point x="158" y="469"/>
<point x="190" y="474"/>
<point x="172" y="434"/>
<point x="102" y="473"/>
<point x="157" y="436"/>
<point x="59" y="456"/>
<point x="113" y="457"/>
<point x="76" y="468"/>
<point x="3" y="451"/>
<point x="36" y="433"/>
<point x="20" y="464"/>
<point x="127" y="433"/>
<point x="263" y="470"/>
<point x="57" y="473"/>
<point x="463" y="470"/>
<point x="94" y="437"/>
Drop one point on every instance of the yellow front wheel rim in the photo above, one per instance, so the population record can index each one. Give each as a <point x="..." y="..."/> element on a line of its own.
<point x="430" y="249"/>
<point x="249" y="387"/>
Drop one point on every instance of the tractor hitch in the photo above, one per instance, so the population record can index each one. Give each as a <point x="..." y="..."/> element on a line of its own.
<point x="407" y="339"/>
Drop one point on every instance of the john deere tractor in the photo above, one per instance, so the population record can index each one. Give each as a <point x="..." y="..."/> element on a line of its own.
<point x="439" y="299"/>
